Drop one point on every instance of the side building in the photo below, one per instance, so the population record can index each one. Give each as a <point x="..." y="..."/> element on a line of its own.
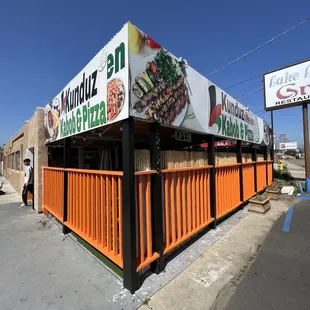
<point x="28" y="142"/>
<point x="1" y="160"/>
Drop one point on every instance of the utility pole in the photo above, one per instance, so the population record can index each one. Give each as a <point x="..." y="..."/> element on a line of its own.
<point x="306" y="144"/>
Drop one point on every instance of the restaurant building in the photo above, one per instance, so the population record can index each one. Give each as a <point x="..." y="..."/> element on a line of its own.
<point x="133" y="159"/>
<point x="28" y="142"/>
<point x="1" y="160"/>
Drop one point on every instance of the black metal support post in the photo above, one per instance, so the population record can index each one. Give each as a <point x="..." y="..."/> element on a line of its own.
<point x="266" y="158"/>
<point x="254" y="151"/>
<point x="67" y="164"/>
<point x="272" y="145"/>
<point x="211" y="162"/>
<point x="131" y="277"/>
<point x="306" y="144"/>
<point x="239" y="161"/>
<point x="156" y="199"/>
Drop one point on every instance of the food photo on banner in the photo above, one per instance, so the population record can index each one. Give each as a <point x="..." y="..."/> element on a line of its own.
<point x="133" y="75"/>
<point x="164" y="88"/>
<point x="97" y="96"/>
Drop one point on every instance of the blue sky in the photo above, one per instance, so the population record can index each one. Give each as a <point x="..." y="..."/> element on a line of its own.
<point x="44" y="44"/>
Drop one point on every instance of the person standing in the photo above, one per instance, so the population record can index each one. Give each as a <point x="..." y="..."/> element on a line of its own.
<point x="1" y="191"/>
<point x="28" y="183"/>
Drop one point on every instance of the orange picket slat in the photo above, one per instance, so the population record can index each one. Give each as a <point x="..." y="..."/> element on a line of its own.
<point x="190" y="210"/>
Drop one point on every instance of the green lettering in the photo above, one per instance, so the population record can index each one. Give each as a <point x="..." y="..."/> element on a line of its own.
<point x="91" y="111"/>
<point x="70" y="126"/>
<point x="88" y="116"/>
<point x="96" y="111"/>
<point x="237" y="130"/>
<point x="110" y="68"/>
<point x="103" y="118"/>
<point x="228" y="127"/>
<point x="84" y="116"/>
<point x="73" y="123"/>
<point x="78" y="120"/>
<point x="120" y="57"/>
<point x="224" y="129"/>
<point x="116" y="62"/>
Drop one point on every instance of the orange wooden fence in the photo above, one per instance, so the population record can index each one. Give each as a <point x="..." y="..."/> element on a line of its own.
<point x="227" y="181"/>
<point x="146" y="255"/>
<point x="53" y="191"/>
<point x="270" y="170"/>
<point x="186" y="204"/>
<point x="94" y="210"/>
<point x="95" y="204"/>
<point x="248" y="181"/>
<point x="261" y="178"/>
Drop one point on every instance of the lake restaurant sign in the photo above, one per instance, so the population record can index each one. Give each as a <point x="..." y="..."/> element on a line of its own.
<point x="286" y="87"/>
<point x="288" y="146"/>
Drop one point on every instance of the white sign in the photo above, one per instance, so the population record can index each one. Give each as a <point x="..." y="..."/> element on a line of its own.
<point x="134" y="75"/>
<point x="165" y="89"/>
<point x="287" y="87"/>
<point x="288" y="146"/>
<point x="97" y="96"/>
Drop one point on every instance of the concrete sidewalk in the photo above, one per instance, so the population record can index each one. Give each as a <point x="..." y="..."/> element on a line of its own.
<point x="42" y="269"/>
<point x="280" y="276"/>
<point x="211" y="280"/>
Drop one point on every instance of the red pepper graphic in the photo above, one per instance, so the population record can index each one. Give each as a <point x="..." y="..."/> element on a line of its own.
<point x="216" y="112"/>
<point x="150" y="42"/>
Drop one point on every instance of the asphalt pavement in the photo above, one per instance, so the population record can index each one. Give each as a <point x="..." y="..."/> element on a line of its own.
<point x="42" y="269"/>
<point x="298" y="162"/>
<point x="279" y="278"/>
<point x="297" y="171"/>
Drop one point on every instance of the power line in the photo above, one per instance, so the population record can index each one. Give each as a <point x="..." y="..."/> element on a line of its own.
<point x="260" y="111"/>
<point x="242" y="82"/>
<point x="260" y="46"/>
<point x="256" y="77"/>
<point x="250" y="93"/>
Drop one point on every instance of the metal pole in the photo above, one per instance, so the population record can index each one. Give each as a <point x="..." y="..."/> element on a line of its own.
<point x="272" y="145"/>
<point x="306" y="144"/>
<point x="254" y="157"/>
<point x="272" y="138"/>
<point x="157" y="202"/>
<point x="239" y="161"/>
<point x="211" y="161"/>
<point x="67" y="164"/>
<point x="130" y="275"/>
<point x="266" y="161"/>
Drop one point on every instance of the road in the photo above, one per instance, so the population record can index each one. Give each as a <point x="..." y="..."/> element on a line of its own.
<point x="279" y="278"/>
<point x="298" y="162"/>
<point x="294" y="166"/>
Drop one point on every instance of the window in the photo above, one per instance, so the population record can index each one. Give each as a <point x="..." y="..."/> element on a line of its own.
<point x="13" y="161"/>
<point x="17" y="161"/>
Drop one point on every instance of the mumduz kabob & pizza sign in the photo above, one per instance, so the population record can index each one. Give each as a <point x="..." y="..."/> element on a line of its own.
<point x="165" y="89"/>
<point x="96" y="96"/>
<point x="135" y="69"/>
<point x="229" y="118"/>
